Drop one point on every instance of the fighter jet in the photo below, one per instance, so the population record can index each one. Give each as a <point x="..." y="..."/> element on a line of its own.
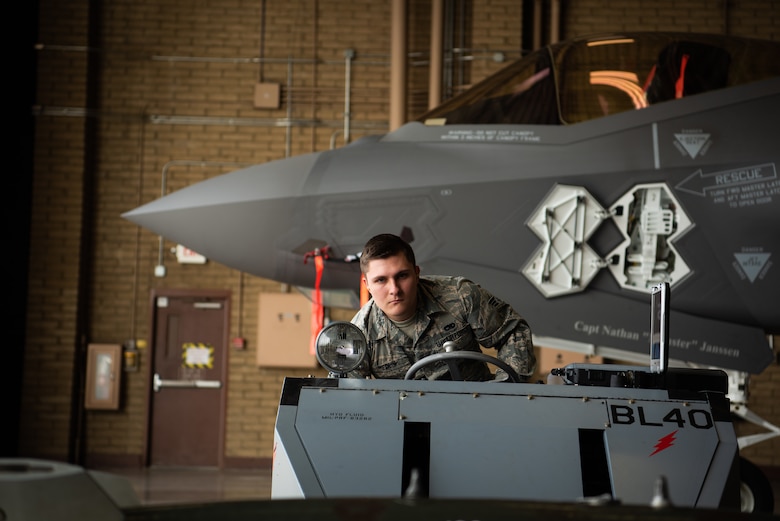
<point x="569" y="183"/>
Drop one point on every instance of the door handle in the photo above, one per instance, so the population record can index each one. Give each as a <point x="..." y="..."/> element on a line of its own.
<point x="159" y="383"/>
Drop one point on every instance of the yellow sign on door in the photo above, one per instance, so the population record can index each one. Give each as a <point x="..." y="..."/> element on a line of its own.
<point x="197" y="355"/>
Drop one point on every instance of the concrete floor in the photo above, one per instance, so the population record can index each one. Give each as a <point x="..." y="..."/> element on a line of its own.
<point x="182" y="485"/>
<point x="178" y="485"/>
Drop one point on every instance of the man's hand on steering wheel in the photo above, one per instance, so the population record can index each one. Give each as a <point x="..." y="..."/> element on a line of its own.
<point x="451" y="358"/>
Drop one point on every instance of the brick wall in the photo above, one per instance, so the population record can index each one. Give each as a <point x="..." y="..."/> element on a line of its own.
<point x="175" y="86"/>
<point x="764" y="401"/>
<point x="56" y="235"/>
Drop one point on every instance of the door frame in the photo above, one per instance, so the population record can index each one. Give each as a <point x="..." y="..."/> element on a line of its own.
<point x="178" y="293"/>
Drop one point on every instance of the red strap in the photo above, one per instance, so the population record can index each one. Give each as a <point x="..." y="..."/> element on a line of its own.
<point x="649" y="79"/>
<point x="679" y="86"/>
<point x="316" y="305"/>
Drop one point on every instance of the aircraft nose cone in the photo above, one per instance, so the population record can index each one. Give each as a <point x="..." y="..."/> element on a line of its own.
<point x="235" y="218"/>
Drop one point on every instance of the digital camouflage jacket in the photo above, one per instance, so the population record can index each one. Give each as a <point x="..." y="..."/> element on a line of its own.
<point x="448" y="309"/>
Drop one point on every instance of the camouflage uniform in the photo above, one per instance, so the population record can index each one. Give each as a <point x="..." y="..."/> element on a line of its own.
<point x="448" y="309"/>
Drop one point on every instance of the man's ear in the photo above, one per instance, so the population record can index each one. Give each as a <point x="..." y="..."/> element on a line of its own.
<point x="365" y="294"/>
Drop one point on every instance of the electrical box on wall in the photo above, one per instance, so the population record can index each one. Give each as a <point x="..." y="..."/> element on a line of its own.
<point x="284" y="331"/>
<point x="267" y="95"/>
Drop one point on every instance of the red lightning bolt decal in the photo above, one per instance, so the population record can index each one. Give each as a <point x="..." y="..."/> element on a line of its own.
<point x="664" y="443"/>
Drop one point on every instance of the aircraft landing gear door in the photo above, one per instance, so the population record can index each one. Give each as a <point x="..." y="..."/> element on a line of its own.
<point x="188" y="375"/>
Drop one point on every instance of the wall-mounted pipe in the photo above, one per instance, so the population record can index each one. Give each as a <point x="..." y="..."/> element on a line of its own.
<point x="537" y="27"/>
<point x="349" y="55"/>
<point x="555" y="21"/>
<point x="288" y="130"/>
<point x="436" y="57"/>
<point x="398" y="50"/>
<point x="314" y="72"/>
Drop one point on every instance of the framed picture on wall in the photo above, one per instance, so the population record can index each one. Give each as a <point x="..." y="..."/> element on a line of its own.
<point x="104" y="367"/>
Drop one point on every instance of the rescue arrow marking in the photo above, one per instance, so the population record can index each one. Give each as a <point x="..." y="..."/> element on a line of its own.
<point x="698" y="183"/>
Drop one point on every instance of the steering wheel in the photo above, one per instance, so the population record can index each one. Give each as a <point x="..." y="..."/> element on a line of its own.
<point x="450" y="357"/>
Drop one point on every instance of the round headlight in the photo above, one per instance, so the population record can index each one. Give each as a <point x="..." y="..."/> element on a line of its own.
<point x="340" y="347"/>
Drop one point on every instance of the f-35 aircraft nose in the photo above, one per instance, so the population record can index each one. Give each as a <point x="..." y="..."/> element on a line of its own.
<point x="235" y="218"/>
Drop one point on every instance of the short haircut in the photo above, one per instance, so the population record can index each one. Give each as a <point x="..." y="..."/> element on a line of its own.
<point x="383" y="246"/>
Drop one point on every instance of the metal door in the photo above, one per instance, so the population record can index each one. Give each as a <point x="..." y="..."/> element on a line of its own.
<point x="188" y="375"/>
